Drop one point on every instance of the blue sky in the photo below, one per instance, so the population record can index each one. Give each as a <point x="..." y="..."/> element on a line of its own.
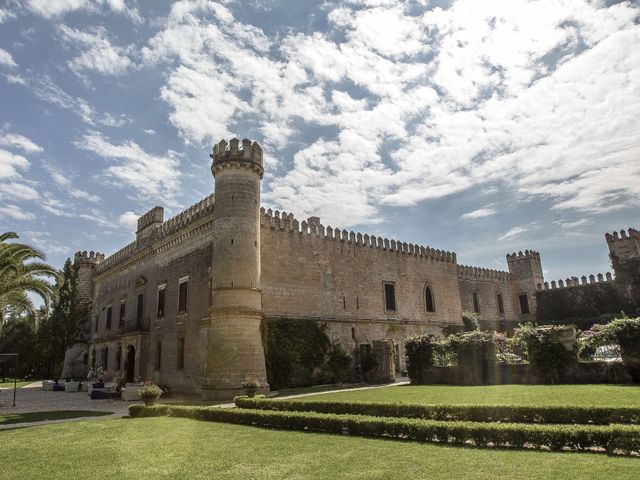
<point x="479" y="127"/>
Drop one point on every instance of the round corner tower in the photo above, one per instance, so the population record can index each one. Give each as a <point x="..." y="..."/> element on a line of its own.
<point x="235" y="349"/>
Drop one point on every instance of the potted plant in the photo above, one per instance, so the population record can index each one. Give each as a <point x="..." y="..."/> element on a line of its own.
<point x="251" y="386"/>
<point x="149" y="394"/>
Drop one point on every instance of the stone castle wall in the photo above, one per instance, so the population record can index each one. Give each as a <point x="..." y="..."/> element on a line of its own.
<point x="488" y="284"/>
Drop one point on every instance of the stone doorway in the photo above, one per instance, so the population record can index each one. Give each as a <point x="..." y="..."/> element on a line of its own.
<point x="130" y="364"/>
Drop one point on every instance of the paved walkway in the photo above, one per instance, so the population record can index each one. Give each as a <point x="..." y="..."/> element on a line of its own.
<point x="32" y="398"/>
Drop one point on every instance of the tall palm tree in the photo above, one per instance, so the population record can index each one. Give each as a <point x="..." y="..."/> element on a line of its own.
<point x="23" y="271"/>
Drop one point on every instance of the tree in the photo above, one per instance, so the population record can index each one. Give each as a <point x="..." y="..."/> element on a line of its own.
<point x="22" y="271"/>
<point x="65" y="326"/>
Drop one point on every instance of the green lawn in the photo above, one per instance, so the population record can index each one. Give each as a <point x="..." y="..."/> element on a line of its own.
<point x="7" y="418"/>
<point x="180" y="448"/>
<point x="9" y="383"/>
<point x="584" y="395"/>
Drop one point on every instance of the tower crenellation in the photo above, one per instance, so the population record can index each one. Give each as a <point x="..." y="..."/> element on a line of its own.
<point x="624" y="246"/>
<point x="229" y="154"/>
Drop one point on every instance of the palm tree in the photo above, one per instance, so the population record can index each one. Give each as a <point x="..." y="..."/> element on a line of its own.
<point x="23" y="271"/>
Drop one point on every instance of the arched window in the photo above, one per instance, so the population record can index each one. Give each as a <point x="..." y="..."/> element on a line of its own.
<point x="428" y="299"/>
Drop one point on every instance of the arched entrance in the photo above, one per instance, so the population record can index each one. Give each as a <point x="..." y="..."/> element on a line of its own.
<point x="130" y="364"/>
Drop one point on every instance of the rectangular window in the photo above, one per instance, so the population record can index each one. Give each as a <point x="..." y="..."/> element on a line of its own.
<point x="95" y="325"/>
<point x="181" y="354"/>
<point x="119" y="358"/>
<point x="123" y="309"/>
<point x="500" y="303"/>
<point x="161" y="302"/>
<point x="182" y="295"/>
<point x="524" y="303"/>
<point x="158" y="355"/>
<point x="389" y="297"/>
<point x="476" y="302"/>
<point x="108" y="323"/>
<point x="140" y="309"/>
<point x="105" y="359"/>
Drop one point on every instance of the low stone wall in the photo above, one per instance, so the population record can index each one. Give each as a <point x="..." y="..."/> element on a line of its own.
<point x="582" y="372"/>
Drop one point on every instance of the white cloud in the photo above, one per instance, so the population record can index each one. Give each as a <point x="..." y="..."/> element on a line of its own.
<point x="98" y="54"/>
<point x="149" y="131"/>
<point x="15" y="79"/>
<point x="514" y="232"/>
<point x="480" y="213"/>
<point x="6" y="14"/>
<point x="150" y="176"/>
<point x="18" y="190"/>
<point x="6" y="59"/>
<point x="58" y="8"/>
<point x="66" y="183"/>
<point x="16" y="213"/>
<point x="10" y="164"/>
<point x="129" y="220"/>
<point x="19" y="141"/>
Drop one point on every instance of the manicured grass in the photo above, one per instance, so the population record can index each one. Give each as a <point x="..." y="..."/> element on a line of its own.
<point x="181" y="448"/>
<point x="7" y="418"/>
<point x="9" y="383"/>
<point x="580" y="395"/>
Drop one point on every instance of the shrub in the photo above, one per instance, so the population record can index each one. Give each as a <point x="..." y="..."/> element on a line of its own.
<point x="475" y="354"/>
<point x="470" y="321"/>
<point x="472" y="413"/>
<point x="138" y="410"/>
<point x="338" y="364"/>
<point x="294" y="350"/>
<point x="419" y="355"/>
<point x="613" y="439"/>
<point x="548" y="356"/>
<point x="626" y="333"/>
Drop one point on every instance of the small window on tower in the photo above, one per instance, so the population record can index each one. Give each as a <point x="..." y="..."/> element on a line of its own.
<point x="524" y="303"/>
<point x="500" y="303"/>
<point x="476" y="302"/>
<point x="161" y="301"/>
<point x="109" y="314"/>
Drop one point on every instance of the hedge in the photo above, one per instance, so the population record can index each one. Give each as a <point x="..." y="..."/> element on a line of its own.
<point x="612" y="439"/>
<point x="471" y="413"/>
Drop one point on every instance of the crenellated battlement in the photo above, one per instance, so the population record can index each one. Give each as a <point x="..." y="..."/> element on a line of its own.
<point x="477" y="273"/>
<point x="228" y="155"/>
<point x="286" y="222"/>
<point x="632" y="234"/>
<point x="576" y="282"/>
<point x="527" y="254"/>
<point x="171" y="226"/>
<point x="90" y="258"/>
<point x="152" y="218"/>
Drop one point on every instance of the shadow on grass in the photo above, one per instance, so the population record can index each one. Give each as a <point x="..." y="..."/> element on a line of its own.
<point x="12" y="418"/>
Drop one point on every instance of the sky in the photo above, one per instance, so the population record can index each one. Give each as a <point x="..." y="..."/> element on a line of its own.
<point x="477" y="127"/>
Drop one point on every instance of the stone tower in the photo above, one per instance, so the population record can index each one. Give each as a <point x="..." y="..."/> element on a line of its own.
<point x="235" y="349"/>
<point x="623" y="246"/>
<point x="85" y="265"/>
<point x="525" y="270"/>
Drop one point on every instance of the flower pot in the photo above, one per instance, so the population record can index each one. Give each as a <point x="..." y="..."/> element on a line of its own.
<point x="149" y="402"/>
<point x="250" y="391"/>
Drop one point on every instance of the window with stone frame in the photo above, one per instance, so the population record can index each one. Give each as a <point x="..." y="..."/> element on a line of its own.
<point x="389" y="296"/>
<point x="428" y="300"/>
<point x="119" y="357"/>
<point x="158" y="355"/>
<point x="180" y="354"/>
<point x="97" y="321"/>
<point x="500" y="303"/>
<point x="109" y="315"/>
<point x="476" y="302"/>
<point x="140" y="307"/>
<point x="524" y="303"/>
<point x="123" y="309"/>
<point x="183" y="292"/>
<point x="161" y="300"/>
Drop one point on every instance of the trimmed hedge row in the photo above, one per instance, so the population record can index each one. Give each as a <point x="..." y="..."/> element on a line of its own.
<point x="471" y="413"/>
<point x="612" y="439"/>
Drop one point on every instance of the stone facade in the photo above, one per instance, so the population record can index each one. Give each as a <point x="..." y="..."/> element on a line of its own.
<point x="182" y="304"/>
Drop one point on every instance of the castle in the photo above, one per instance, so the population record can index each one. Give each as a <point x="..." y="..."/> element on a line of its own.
<point x="182" y="305"/>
